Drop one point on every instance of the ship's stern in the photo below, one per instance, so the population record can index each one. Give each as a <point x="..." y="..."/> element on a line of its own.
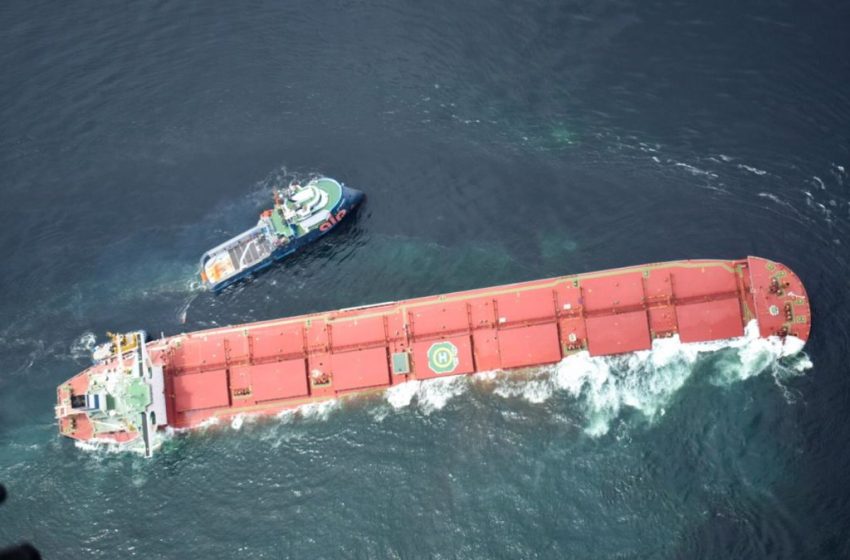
<point x="119" y="401"/>
<point x="71" y="414"/>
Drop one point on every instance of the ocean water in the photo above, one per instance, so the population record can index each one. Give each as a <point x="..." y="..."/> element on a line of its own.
<point x="497" y="142"/>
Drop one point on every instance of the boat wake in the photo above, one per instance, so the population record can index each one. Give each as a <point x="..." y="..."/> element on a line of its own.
<point x="83" y="345"/>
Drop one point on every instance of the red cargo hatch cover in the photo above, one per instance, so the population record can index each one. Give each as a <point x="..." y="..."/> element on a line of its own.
<point x="276" y="341"/>
<point x="703" y="281"/>
<point x="360" y="369"/>
<point x="358" y="331"/>
<point x="712" y="320"/>
<point x="569" y="297"/>
<point x="608" y="292"/>
<point x="197" y="351"/>
<point x="276" y="380"/>
<point x="616" y="334"/>
<point x="196" y="391"/>
<point x="524" y="305"/>
<point x="525" y="346"/>
<point x="438" y="317"/>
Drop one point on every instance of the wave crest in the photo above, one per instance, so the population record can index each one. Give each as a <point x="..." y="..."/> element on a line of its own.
<point x="644" y="381"/>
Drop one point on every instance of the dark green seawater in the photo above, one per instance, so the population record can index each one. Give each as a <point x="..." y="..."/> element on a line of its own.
<point x="497" y="142"/>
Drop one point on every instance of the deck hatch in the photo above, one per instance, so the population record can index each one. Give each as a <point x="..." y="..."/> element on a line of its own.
<point x="713" y="320"/>
<point x="360" y="369"/>
<point x="527" y="346"/>
<point x="617" y="334"/>
<point x="198" y="391"/>
<point x="401" y="363"/>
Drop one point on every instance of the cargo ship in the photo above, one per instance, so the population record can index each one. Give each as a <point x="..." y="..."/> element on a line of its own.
<point x="301" y="214"/>
<point x="136" y="389"/>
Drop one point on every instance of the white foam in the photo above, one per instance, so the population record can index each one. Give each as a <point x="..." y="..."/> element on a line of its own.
<point x="646" y="381"/>
<point x="430" y="395"/>
<point x="208" y="423"/>
<point x="435" y="395"/>
<point x="695" y="170"/>
<point x="105" y="447"/>
<point x="83" y="345"/>
<point x="752" y="169"/>
<point x="401" y="395"/>
<point x="93" y="446"/>
<point x="170" y="431"/>
<point x="310" y="411"/>
<point x="604" y="386"/>
<point x="533" y="390"/>
<point x="776" y="199"/>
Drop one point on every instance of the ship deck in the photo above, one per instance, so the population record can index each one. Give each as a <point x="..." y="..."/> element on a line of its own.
<point x="269" y="366"/>
<point x="334" y="194"/>
<point x="249" y="251"/>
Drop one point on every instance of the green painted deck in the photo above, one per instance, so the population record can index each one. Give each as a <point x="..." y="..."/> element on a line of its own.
<point x="281" y="226"/>
<point x="333" y="189"/>
<point x="284" y="228"/>
<point x="126" y="397"/>
<point x="138" y="396"/>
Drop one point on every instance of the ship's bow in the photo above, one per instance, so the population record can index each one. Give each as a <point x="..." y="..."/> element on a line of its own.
<point x="353" y="197"/>
<point x="780" y="300"/>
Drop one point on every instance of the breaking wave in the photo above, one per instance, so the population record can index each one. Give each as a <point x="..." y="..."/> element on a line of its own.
<point x="310" y="411"/>
<point x="431" y="395"/>
<point x="751" y="169"/>
<point x="305" y="412"/>
<point x="83" y="345"/>
<point x="604" y="387"/>
<point x="98" y="447"/>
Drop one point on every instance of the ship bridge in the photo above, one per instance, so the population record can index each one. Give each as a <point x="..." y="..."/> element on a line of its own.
<point x="309" y="206"/>
<point x="120" y="401"/>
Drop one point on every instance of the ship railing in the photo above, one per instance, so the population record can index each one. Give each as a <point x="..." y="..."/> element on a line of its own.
<point x="315" y="219"/>
<point x="258" y="229"/>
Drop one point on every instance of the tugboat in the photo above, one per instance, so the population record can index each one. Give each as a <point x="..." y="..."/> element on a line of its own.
<point x="301" y="214"/>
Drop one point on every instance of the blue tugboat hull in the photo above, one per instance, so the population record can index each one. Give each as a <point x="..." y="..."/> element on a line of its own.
<point x="348" y="203"/>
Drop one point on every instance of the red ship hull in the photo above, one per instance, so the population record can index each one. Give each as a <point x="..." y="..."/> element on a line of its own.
<point x="270" y="366"/>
